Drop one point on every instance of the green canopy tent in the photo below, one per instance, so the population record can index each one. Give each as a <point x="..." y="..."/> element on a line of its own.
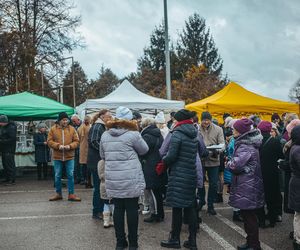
<point x="29" y="107"/>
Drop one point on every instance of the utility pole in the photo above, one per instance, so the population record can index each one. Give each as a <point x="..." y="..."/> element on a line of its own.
<point x="167" y="52"/>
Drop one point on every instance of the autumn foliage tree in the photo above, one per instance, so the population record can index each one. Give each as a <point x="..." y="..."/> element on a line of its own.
<point x="197" y="84"/>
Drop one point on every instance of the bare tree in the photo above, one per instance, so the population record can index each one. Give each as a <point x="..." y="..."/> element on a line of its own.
<point x="32" y="31"/>
<point x="295" y="92"/>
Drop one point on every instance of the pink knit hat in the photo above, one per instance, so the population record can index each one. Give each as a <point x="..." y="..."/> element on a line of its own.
<point x="291" y="125"/>
<point x="243" y="125"/>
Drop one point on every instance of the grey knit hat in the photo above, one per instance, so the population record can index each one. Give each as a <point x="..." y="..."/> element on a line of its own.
<point x="41" y="125"/>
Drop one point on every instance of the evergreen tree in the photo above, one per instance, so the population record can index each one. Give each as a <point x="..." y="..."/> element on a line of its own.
<point x="196" y="46"/>
<point x="81" y="85"/>
<point x="106" y="82"/>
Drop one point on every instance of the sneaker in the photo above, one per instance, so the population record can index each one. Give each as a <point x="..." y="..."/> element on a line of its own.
<point x="73" y="197"/>
<point x="146" y="210"/>
<point x="56" y="197"/>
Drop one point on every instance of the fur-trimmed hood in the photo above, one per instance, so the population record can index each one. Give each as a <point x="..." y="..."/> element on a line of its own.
<point x="253" y="137"/>
<point x="118" y="127"/>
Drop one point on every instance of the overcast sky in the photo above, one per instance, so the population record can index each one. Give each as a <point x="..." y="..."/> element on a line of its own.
<point x="259" y="40"/>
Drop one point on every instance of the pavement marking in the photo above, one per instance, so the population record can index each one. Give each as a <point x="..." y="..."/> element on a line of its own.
<point x="215" y="236"/>
<point x="37" y="191"/>
<point x="240" y="230"/>
<point x="43" y="216"/>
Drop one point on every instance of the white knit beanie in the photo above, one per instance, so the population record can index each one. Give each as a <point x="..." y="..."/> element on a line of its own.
<point x="124" y="113"/>
<point x="160" y="118"/>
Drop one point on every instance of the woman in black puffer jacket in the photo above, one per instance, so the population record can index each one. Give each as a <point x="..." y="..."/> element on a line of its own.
<point x="154" y="183"/>
<point x="181" y="192"/>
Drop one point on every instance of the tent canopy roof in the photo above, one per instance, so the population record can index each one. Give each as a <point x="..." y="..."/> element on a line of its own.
<point x="26" y="106"/>
<point x="238" y="101"/>
<point x="127" y="95"/>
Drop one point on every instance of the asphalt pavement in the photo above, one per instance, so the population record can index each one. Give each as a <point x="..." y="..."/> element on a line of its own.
<point x="29" y="221"/>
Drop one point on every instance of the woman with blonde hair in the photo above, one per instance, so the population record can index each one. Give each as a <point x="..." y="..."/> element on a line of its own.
<point x="94" y="137"/>
<point x="83" y="132"/>
<point x="161" y="124"/>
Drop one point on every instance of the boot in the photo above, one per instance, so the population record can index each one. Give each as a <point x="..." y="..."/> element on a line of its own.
<point x="211" y="211"/>
<point x="237" y="216"/>
<point x="106" y="219"/>
<point x="111" y="220"/>
<point x="296" y="245"/>
<point x="153" y="218"/>
<point x="219" y="198"/>
<point x="172" y="242"/>
<point x="191" y="242"/>
<point x="45" y="172"/>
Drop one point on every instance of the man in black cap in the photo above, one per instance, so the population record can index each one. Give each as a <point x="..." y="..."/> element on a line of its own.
<point x="8" y="139"/>
<point x="212" y="135"/>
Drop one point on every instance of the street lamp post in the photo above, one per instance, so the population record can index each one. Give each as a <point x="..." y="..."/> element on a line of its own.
<point x="167" y="52"/>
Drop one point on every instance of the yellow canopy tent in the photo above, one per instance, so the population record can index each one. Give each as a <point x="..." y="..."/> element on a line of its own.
<point x="239" y="102"/>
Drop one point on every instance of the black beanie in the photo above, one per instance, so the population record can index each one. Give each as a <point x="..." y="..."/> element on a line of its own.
<point x="184" y="114"/>
<point x="62" y="115"/>
<point x="206" y="115"/>
<point x="3" y="119"/>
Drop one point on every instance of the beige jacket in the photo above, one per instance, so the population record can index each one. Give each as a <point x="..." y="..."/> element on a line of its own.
<point x="213" y="135"/>
<point x="83" y="132"/>
<point x="63" y="136"/>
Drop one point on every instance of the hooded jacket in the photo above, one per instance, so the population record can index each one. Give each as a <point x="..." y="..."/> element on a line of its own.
<point x="246" y="191"/>
<point x="63" y="136"/>
<point x="120" y="148"/>
<point x="181" y="161"/>
<point x="154" y="140"/>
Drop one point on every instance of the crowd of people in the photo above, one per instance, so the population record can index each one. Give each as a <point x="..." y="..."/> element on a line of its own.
<point x="130" y="160"/>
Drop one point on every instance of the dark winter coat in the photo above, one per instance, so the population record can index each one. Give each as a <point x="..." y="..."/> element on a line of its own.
<point x="8" y="138"/>
<point x="152" y="136"/>
<point x="94" y="138"/>
<point x="42" y="151"/>
<point x="181" y="161"/>
<point x="270" y="153"/>
<point x="246" y="190"/>
<point x="294" y="187"/>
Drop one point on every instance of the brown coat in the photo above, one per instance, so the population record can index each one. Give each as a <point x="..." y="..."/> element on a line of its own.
<point x="83" y="132"/>
<point x="63" y="136"/>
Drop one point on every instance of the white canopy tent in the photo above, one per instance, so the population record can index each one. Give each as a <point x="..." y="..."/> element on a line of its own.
<point x="128" y="96"/>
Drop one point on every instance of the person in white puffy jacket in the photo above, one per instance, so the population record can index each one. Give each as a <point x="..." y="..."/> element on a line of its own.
<point x="120" y="148"/>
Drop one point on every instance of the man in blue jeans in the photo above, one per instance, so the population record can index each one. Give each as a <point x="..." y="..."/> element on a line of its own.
<point x="63" y="139"/>
<point x="212" y="135"/>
